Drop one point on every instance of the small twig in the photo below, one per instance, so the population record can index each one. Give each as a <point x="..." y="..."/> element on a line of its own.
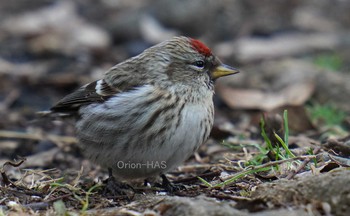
<point x="273" y="163"/>
<point x="185" y="168"/>
<point x="254" y="169"/>
<point x="339" y="160"/>
<point x="37" y="136"/>
<point x="5" y="179"/>
<point x="195" y="178"/>
<point x="194" y="167"/>
<point x="12" y="96"/>
<point x="14" y="164"/>
<point x="302" y="166"/>
<point x="230" y="197"/>
<point x="50" y="200"/>
<point x="30" y="192"/>
<point x="337" y="146"/>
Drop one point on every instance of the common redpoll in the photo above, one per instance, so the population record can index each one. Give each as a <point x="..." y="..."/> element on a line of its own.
<point x="149" y="113"/>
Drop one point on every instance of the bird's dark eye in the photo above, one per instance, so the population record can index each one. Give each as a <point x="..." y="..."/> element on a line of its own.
<point x="199" y="64"/>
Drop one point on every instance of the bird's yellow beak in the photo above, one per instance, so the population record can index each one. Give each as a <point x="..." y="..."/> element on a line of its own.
<point x="223" y="70"/>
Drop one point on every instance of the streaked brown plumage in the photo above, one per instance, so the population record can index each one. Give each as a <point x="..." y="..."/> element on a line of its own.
<point x="149" y="113"/>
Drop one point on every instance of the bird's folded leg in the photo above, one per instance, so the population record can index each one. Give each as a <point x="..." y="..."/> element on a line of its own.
<point x="115" y="188"/>
<point x="170" y="187"/>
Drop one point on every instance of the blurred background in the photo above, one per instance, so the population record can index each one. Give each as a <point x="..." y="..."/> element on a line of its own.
<point x="292" y="54"/>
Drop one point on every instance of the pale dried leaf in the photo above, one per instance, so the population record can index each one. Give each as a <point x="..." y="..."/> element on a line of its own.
<point x="294" y="94"/>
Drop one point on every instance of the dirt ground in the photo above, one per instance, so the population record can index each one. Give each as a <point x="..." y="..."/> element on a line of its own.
<point x="293" y="56"/>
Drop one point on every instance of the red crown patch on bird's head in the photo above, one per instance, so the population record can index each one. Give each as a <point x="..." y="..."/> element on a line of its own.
<point x="200" y="47"/>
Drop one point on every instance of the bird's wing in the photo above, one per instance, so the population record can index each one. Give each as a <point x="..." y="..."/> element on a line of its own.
<point x="95" y="92"/>
<point x="117" y="79"/>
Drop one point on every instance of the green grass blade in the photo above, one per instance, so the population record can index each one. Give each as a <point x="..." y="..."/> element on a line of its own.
<point x="205" y="182"/>
<point x="288" y="152"/>
<point x="241" y="175"/>
<point x="286" y="128"/>
<point x="264" y="135"/>
<point x="311" y="152"/>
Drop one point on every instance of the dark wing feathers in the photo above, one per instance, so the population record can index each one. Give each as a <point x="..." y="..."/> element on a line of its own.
<point x="95" y="92"/>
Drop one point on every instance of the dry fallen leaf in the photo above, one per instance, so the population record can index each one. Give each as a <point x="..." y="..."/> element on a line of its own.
<point x="294" y="94"/>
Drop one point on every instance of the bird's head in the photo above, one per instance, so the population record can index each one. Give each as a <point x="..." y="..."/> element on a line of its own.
<point x="187" y="60"/>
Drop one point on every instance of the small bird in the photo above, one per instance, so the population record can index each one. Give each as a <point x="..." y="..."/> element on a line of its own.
<point x="148" y="113"/>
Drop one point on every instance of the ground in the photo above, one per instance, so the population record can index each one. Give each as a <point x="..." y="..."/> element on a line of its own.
<point x="280" y="143"/>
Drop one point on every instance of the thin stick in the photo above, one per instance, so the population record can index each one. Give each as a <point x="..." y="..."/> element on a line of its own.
<point x="273" y="163"/>
<point x="37" y="136"/>
<point x="195" y="178"/>
<point x="302" y="166"/>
